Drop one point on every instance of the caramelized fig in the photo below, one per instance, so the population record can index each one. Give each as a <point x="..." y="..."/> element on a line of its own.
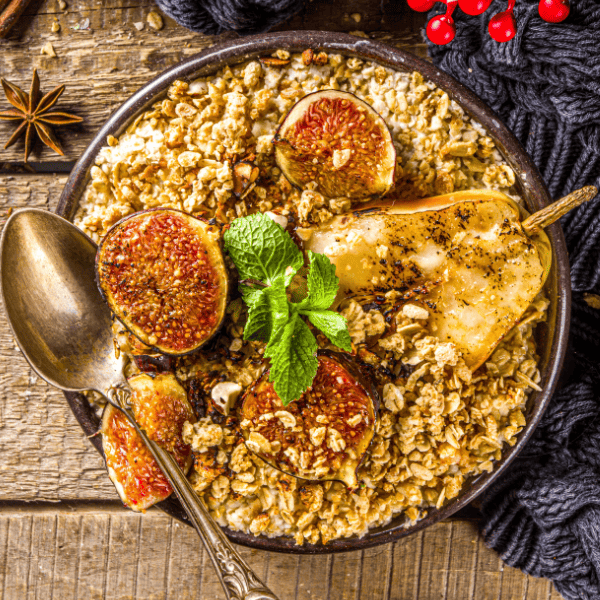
<point x="161" y="407"/>
<point x="338" y="141"/>
<point x="163" y="275"/>
<point x="325" y="433"/>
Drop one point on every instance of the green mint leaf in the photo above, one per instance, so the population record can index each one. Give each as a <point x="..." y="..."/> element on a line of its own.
<point x="293" y="353"/>
<point x="261" y="249"/>
<point x="268" y="309"/>
<point x="322" y="282"/>
<point x="333" y="325"/>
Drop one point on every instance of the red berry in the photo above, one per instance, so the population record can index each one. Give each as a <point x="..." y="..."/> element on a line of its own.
<point x="421" y="5"/>
<point x="474" y="7"/>
<point x="554" y="11"/>
<point x="441" y="30"/>
<point x="502" y="26"/>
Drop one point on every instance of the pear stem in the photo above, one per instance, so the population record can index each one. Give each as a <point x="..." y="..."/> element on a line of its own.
<point x="553" y="212"/>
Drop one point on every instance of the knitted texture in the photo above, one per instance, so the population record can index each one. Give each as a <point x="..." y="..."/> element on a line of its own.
<point x="543" y="516"/>
<point x="243" y="16"/>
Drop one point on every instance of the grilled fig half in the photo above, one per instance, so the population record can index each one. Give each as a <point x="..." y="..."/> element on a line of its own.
<point x="163" y="275"/>
<point x="338" y="141"/>
<point x="161" y="407"/>
<point x="325" y="433"/>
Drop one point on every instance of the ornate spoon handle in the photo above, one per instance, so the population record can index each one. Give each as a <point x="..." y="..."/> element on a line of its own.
<point x="237" y="578"/>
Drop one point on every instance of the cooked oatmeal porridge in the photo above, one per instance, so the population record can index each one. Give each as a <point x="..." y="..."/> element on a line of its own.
<point x="439" y="422"/>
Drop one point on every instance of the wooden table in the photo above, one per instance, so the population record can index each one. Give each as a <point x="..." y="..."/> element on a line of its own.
<point x="63" y="531"/>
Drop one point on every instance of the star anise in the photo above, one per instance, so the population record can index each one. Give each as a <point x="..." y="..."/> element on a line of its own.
<point x="35" y="114"/>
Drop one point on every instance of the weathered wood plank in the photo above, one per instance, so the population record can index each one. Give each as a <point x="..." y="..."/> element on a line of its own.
<point x="16" y="559"/>
<point x="64" y="577"/>
<point x="433" y="579"/>
<point x="125" y="556"/>
<point x="344" y="580"/>
<point x="122" y="59"/>
<point x="43" y="554"/>
<point x="488" y="573"/>
<point x="153" y="544"/>
<point x="283" y="574"/>
<point x="314" y="580"/>
<point x="187" y="564"/>
<point x="122" y="558"/>
<point x="92" y="557"/>
<point x="514" y="585"/>
<point x="540" y="589"/>
<point x="463" y="559"/>
<point x="407" y="556"/>
<point x="376" y="570"/>
<point x="4" y="562"/>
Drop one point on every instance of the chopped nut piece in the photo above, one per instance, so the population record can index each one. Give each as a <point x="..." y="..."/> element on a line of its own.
<point x="356" y="17"/>
<point x="155" y="20"/>
<point x="139" y="25"/>
<point x="412" y="311"/>
<point x="62" y="4"/>
<point x="48" y="50"/>
<point x="225" y="394"/>
<point x="320" y="59"/>
<point x="279" y="219"/>
<point x="55" y="27"/>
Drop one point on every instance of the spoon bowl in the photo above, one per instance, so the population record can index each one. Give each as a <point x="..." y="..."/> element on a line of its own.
<point x="55" y="311"/>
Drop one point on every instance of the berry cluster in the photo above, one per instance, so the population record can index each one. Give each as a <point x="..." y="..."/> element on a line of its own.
<point x="502" y="26"/>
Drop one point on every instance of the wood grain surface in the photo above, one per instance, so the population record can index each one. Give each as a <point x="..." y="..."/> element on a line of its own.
<point x="119" y="555"/>
<point x="63" y="532"/>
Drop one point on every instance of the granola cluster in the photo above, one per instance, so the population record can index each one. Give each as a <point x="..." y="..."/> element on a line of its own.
<point x="182" y="152"/>
<point x="439" y="423"/>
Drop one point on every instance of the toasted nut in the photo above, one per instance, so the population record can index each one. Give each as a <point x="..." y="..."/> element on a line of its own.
<point x="224" y="395"/>
<point x="308" y="56"/>
<point x="155" y="20"/>
<point x="321" y="59"/>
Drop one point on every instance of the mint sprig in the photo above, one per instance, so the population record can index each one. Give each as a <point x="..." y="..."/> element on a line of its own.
<point x="267" y="259"/>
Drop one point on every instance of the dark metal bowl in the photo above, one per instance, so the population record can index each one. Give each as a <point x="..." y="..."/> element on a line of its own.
<point x="552" y="337"/>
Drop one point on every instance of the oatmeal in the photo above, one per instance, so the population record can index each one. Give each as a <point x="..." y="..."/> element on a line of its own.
<point x="207" y="149"/>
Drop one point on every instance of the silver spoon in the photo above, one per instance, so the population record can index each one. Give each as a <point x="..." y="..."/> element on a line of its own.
<point x="63" y="328"/>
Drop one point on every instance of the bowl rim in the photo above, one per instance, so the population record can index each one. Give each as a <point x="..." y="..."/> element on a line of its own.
<point x="528" y="177"/>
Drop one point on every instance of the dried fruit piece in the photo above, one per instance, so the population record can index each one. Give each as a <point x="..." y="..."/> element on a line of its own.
<point x="339" y="142"/>
<point x="271" y="61"/>
<point x="154" y="363"/>
<point x="325" y="433"/>
<point x="163" y="275"/>
<point x="245" y="174"/>
<point x="161" y="407"/>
